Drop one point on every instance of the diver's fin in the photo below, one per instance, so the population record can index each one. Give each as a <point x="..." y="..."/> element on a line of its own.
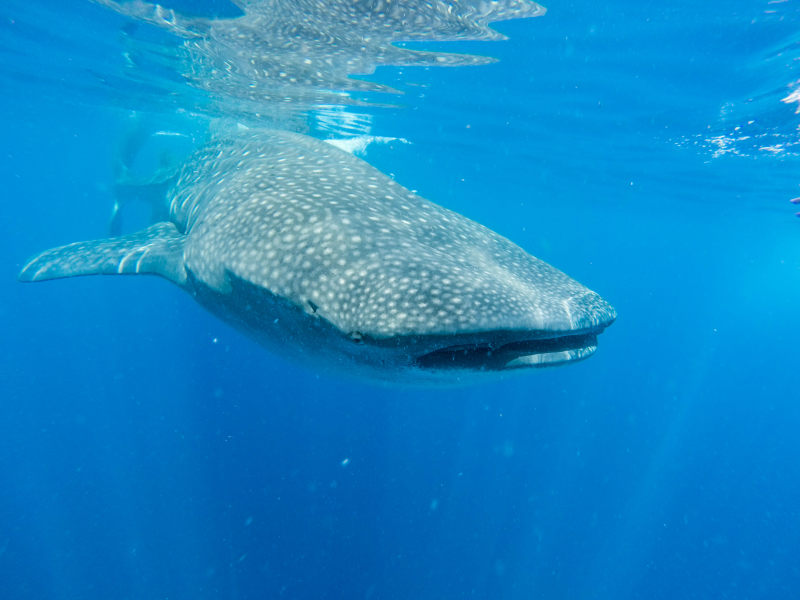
<point x="157" y="250"/>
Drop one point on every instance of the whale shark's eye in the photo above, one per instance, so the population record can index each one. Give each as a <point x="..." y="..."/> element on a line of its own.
<point x="356" y="336"/>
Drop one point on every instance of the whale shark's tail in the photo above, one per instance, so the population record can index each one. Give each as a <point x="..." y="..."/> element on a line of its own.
<point x="157" y="250"/>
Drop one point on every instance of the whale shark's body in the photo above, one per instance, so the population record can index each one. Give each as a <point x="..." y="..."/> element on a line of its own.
<point x="319" y="255"/>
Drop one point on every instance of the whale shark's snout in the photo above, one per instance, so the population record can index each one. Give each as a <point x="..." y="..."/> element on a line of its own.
<point x="570" y="339"/>
<point x="588" y="316"/>
<point x="589" y="311"/>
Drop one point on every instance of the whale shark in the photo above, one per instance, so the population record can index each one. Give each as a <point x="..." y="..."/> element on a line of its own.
<point x="320" y="256"/>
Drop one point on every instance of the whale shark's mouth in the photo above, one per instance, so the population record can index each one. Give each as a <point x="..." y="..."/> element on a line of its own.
<point x="485" y="356"/>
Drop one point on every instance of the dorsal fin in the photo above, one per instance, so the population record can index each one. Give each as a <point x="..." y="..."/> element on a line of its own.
<point x="156" y="250"/>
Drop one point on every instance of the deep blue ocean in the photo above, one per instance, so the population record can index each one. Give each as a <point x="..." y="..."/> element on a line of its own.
<point x="648" y="149"/>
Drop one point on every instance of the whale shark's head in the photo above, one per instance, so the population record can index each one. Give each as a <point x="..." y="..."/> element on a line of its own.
<point x="423" y="319"/>
<point x="441" y="318"/>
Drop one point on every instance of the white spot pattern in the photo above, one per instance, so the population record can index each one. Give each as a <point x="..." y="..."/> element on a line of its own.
<point x="320" y="227"/>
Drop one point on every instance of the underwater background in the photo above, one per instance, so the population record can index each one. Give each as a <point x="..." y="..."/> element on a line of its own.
<point x="648" y="149"/>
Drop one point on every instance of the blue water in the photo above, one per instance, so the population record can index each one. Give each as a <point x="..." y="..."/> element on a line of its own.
<point x="147" y="450"/>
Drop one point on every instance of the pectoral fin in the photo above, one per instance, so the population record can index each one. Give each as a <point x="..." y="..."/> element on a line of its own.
<point x="157" y="250"/>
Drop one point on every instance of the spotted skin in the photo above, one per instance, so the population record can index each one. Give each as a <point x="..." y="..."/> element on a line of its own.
<point x="316" y="253"/>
